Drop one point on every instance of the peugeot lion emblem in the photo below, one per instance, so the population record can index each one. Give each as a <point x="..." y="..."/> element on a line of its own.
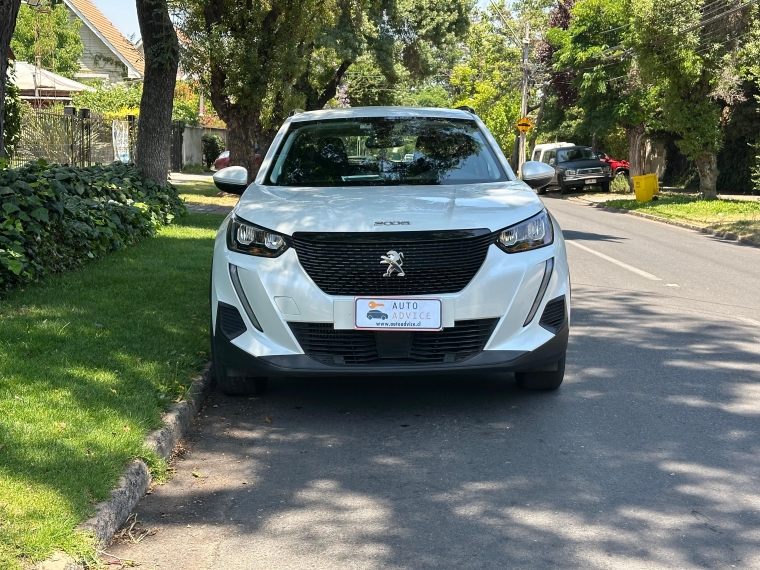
<point x="395" y="260"/>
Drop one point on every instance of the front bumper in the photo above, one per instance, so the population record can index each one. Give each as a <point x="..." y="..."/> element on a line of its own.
<point x="278" y="293"/>
<point x="240" y="363"/>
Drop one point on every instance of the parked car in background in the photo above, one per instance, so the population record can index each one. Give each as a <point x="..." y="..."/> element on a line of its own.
<point x="576" y="167"/>
<point x="618" y="166"/>
<point x="223" y="160"/>
<point x="541" y="149"/>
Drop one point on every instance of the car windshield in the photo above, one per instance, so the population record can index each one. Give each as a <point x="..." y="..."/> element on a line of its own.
<point x="384" y="151"/>
<point x="571" y="154"/>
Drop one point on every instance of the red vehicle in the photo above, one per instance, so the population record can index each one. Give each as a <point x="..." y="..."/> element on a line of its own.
<point x="618" y="166"/>
<point x="223" y="160"/>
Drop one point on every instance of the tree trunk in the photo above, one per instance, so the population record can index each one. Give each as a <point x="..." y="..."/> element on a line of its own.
<point x="515" y="160"/>
<point x="635" y="152"/>
<point x="161" y="61"/>
<point x="242" y="135"/>
<point x="707" y="165"/>
<point x="8" y="13"/>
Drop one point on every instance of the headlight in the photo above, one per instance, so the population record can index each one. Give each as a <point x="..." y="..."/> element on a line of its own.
<point x="244" y="237"/>
<point x="533" y="233"/>
<point x="607" y="170"/>
<point x="571" y="172"/>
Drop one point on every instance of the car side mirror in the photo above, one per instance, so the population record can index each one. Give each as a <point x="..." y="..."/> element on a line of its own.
<point x="233" y="179"/>
<point x="537" y="174"/>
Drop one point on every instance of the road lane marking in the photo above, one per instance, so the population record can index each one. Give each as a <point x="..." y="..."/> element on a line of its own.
<point x="619" y="263"/>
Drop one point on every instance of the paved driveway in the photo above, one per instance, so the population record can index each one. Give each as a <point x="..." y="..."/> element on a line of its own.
<point x="647" y="457"/>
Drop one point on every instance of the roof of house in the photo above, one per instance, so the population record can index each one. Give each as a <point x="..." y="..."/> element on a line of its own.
<point x="29" y="77"/>
<point x="108" y="34"/>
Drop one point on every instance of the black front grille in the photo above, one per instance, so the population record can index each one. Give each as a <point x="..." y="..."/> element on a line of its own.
<point x="464" y="340"/>
<point x="554" y="315"/>
<point x="434" y="262"/>
<point x="230" y="321"/>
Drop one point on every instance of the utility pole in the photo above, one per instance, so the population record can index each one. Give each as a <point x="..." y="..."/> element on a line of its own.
<point x="525" y="79"/>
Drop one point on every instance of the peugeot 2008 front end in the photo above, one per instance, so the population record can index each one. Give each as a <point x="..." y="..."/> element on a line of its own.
<point x="387" y="240"/>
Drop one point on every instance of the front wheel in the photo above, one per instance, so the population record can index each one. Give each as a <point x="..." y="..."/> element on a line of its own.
<point x="605" y="186"/>
<point x="542" y="380"/>
<point x="563" y="188"/>
<point x="541" y="191"/>
<point x="236" y="385"/>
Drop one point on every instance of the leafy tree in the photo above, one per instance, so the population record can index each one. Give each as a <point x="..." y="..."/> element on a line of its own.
<point x="113" y="100"/>
<point x="161" y="61"/>
<point x="689" y="49"/>
<point x="258" y="60"/>
<point x="14" y="111"/>
<point x="52" y="36"/>
<point x="8" y="13"/>
<point x="607" y="82"/>
<point x="489" y="77"/>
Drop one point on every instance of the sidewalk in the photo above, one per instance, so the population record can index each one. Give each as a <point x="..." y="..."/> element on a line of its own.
<point x="181" y="177"/>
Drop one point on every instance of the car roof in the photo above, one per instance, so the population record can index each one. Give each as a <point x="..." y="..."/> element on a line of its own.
<point x="399" y="112"/>
<point x="543" y="146"/>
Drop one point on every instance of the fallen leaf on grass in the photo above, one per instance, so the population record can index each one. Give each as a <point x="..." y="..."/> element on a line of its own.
<point x="196" y="474"/>
<point x="267" y="420"/>
<point x="125" y="428"/>
<point x="60" y="425"/>
<point x="112" y="390"/>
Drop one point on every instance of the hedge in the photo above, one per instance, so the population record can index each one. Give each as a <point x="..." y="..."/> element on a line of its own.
<point x="54" y="218"/>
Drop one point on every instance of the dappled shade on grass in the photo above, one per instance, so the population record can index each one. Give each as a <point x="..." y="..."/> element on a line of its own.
<point x="88" y="361"/>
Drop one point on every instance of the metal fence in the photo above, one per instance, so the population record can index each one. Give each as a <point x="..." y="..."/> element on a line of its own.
<point x="78" y="140"/>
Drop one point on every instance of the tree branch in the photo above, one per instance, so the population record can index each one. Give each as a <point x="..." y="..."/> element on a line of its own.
<point x="332" y="86"/>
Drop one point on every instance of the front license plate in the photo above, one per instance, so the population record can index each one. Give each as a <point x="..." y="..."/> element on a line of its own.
<point x="591" y="181"/>
<point x="397" y="313"/>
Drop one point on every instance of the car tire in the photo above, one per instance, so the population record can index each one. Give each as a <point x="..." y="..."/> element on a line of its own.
<point x="236" y="385"/>
<point x="563" y="188"/>
<point x="541" y="191"/>
<point x="542" y="380"/>
<point x="605" y="186"/>
<point x="231" y="385"/>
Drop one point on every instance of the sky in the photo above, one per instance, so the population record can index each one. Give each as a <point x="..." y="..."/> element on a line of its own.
<point x="122" y="14"/>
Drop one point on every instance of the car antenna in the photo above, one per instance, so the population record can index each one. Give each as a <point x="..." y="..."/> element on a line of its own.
<point x="467" y="108"/>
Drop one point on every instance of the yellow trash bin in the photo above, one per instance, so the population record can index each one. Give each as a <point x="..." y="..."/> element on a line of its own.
<point x="646" y="186"/>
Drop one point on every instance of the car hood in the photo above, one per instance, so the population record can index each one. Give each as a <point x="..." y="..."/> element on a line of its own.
<point x="575" y="164"/>
<point x="375" y="208"/>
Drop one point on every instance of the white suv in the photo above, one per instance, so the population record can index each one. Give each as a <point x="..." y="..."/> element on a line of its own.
<point x="388" y="240"/>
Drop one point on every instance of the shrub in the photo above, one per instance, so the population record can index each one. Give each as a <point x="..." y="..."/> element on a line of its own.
<point x="213" y="146"/>
<point x="54" y="218"/>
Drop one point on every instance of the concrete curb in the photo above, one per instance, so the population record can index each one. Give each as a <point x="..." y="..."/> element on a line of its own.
<point x="729" y="236"/>
<point x="111" y="514"/>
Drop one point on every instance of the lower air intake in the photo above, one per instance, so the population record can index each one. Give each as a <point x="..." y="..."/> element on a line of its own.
<point x="464" y="340"/>
<point x="230" y="321"/>
<point x="554" y="315"/>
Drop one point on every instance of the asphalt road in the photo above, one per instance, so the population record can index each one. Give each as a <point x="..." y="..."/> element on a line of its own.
<point x="648" y="456"/>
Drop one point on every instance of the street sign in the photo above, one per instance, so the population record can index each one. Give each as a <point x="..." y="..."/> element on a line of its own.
<point x="524" y="125"/>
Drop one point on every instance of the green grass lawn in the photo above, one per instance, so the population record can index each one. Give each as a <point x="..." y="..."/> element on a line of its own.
<point x="88" y="361"/>
<point x="205" y="193"/>
<point x="738" y="216"/>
